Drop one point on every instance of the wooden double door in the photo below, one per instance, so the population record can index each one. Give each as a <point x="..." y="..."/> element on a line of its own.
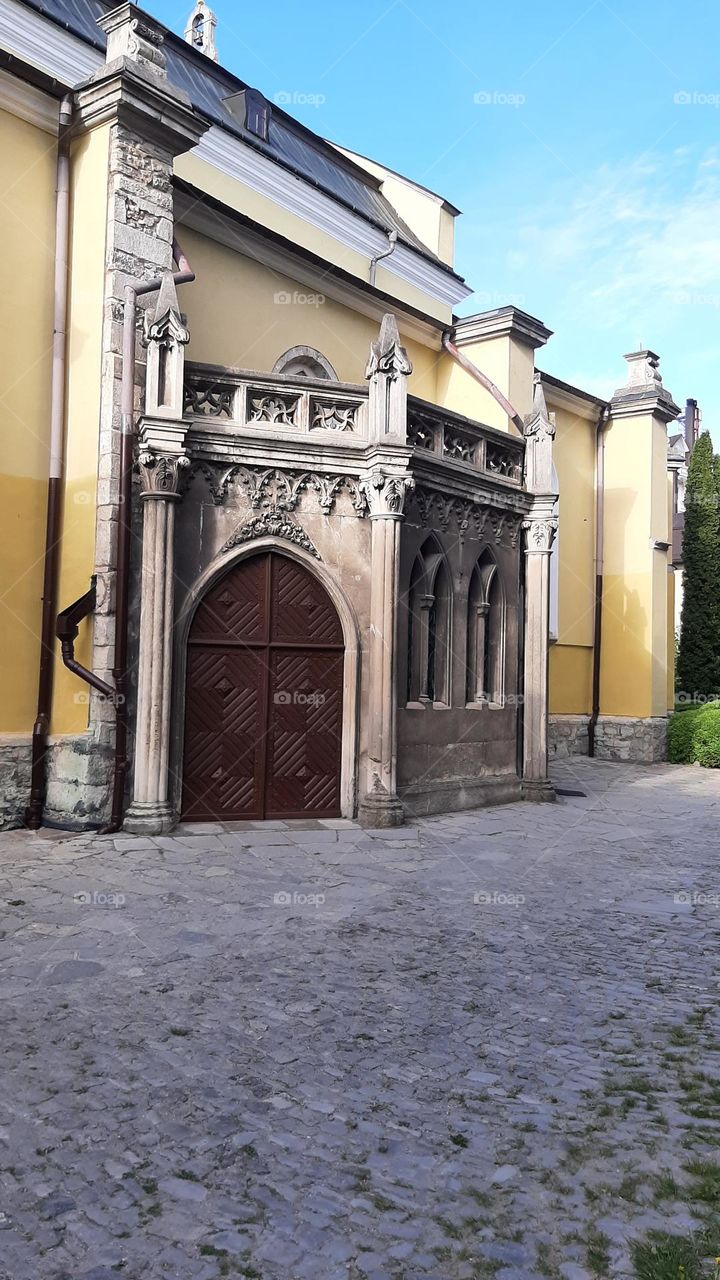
<point x="264" y="696"/>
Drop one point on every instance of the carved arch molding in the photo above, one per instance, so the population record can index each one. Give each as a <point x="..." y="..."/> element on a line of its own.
<point x="274" y="492"/>
<point x="431" y="509"/>
<point x="275" y="488"/>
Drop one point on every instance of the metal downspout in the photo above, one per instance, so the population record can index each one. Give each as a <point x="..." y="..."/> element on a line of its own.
<point x="484" y="381"/>
<point x="392" y="244"/>
<point x="599" y="554"/>
<point x="38" y="782"/>
<point x="127" y="399"/>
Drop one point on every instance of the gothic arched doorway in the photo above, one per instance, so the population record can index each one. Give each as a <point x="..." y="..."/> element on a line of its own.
<point x="264" y="696"/>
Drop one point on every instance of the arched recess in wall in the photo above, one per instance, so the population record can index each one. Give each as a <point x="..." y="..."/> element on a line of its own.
<point x="304" y="362"/>
<point x="429" y="620"/>
<point x="486" y="634"/>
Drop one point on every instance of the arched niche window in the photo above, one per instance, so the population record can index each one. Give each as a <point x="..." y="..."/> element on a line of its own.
<point x="486" y="634"/>
<point x="429" y="614"/>
<point x="304" y="362"/>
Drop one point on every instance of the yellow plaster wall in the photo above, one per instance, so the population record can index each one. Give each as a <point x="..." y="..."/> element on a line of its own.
<point x="89" y="177"/>
<point x="243" y="313"/>
<point x="268" y="214"/>
<point x="670" y="690"/>
<point x="459" y="391"/>
<point x="574" y="457"/>
<point x="629" y="576"/>
<point x="571" y="657"/>
<point x="508" y="363"/>
<point x="27" y="225"/>
<point x="570" y="680"/>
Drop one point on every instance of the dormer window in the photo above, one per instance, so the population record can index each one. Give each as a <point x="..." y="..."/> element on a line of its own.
<point x="251" y="110"/>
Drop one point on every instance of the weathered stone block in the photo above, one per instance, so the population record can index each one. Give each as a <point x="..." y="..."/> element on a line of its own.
<point x="568" y="736"/>
<point x="641" y="741"/>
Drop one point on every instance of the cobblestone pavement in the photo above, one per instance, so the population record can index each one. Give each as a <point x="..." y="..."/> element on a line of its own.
<point x="484" y="1046"/>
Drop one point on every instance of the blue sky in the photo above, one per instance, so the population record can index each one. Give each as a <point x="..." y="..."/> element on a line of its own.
<point x="581" y="141"/>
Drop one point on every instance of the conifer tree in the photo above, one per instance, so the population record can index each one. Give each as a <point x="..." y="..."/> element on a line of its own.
<point x="699" y="652"/>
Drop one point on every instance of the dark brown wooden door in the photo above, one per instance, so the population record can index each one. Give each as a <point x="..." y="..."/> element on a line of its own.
<point x="263" y="699"/>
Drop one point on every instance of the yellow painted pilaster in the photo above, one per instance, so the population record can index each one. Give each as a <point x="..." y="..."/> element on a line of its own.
<point x="635" y="655"/>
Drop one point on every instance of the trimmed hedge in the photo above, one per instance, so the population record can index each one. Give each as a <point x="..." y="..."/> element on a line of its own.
<point x="694" y="736"/>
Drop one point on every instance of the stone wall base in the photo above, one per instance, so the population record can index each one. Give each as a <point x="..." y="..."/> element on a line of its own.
<point x="636" y="741"/>
<point x="80" y="771"/>
<point x="427" y="798"/>
<point x="567" y="736"/>
<point x="15" y="760"/>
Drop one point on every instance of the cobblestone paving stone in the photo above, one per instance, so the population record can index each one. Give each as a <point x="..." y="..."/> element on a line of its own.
<point x="486" y="1045"/>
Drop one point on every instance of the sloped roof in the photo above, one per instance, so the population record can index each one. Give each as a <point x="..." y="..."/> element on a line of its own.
<point x="290" y="143"/>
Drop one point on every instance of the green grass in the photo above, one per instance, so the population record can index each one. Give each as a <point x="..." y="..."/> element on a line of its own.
<point x="705" y="1186"/>
<point x="666" y="1257"/>
<point x="664" y="1186"/>
<point x="597" y="1252"/>
<point x="459" y="1140"/>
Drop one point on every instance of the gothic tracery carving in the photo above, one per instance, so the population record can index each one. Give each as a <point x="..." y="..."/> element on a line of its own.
<point x="440" y="510"/>
<point x="272" y="523"/>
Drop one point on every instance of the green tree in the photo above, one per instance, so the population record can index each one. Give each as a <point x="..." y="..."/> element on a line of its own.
<point x="699" y="655"/>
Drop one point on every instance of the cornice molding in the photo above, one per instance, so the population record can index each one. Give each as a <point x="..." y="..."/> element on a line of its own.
<point x="639" y="405"/>
<point x="576" y="402"/>
<point x="43" y="44"/>
<point x="147" y="105"/>
<point x="23" y="100"/>
<point x="502" y="322"/>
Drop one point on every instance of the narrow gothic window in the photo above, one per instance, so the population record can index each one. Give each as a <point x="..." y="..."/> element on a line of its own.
<point x="429" y="612"/>
<point x="486" y="635"/>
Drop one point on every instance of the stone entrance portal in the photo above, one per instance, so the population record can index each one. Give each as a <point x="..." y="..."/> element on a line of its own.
<point x="264" y="696"/>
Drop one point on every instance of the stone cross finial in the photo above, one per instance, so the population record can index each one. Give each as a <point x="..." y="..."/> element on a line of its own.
<point x="200" y="30"/>
<point x="387" y="371"/>
<point x="132" y="34"/>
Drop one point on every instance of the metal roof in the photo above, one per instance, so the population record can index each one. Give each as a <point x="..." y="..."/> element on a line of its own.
<point x="289" y="143"/>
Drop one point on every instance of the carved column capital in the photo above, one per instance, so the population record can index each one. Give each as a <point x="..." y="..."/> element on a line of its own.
<point x="385" y="494"/>
<point x="160" y="474"/>
<point x="540" y="535"/>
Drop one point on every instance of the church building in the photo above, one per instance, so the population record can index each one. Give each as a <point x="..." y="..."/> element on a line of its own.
<point x="283" y="536"/>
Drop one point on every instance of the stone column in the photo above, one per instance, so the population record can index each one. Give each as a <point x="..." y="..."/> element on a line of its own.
<point x="384" y="489"/>
<point x="385" y="493"/>
<point x="141" y="121"/>
<point x="540" y="528"/>
<point x="426" y="603"/>
<point x="151" y="812"/>
<point x="482" y="611"/>
<point x="162" y="459"/>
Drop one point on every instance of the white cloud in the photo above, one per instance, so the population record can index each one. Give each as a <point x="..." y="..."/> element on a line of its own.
<point x="634" y="238"/>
